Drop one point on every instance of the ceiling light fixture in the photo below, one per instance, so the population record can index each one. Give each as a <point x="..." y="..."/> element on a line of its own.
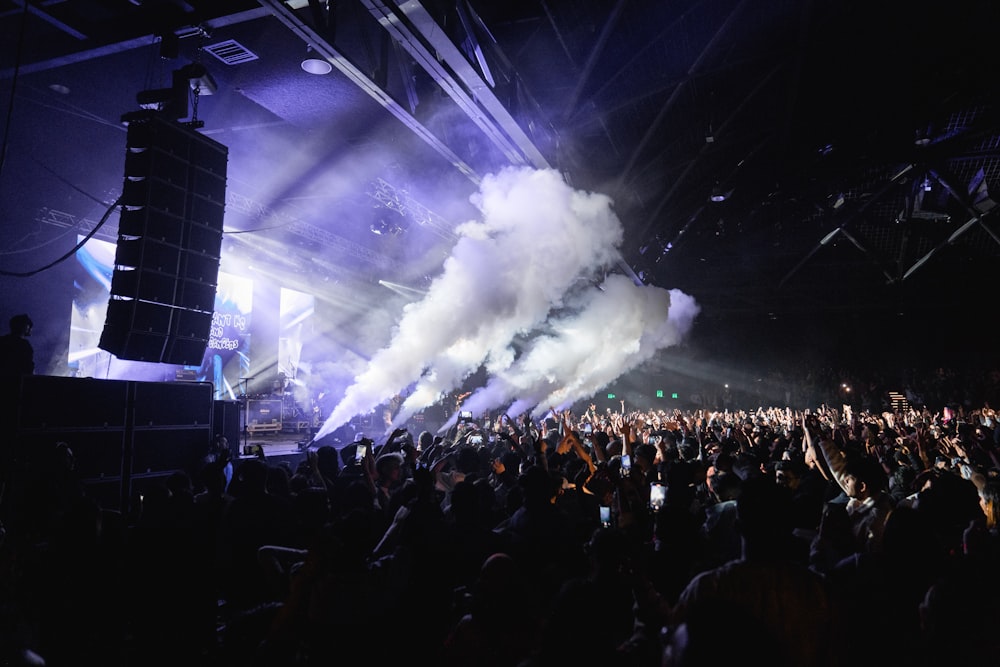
<point x="719" y="195"/>
<point x="922" y="137"/>
<point x="315" y="65"/>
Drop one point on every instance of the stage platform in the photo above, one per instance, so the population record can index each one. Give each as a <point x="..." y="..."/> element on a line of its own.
<point x="276" y="446"/>
<point x="293" y="445"/>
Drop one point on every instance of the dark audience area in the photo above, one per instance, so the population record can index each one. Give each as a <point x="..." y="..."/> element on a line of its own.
<point x="820" y="530"/>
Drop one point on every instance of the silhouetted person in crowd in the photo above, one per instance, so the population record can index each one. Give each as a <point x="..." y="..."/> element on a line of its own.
<point x="254" y="518"/>
<point x="601" y="600"/>
<point x="787" y="604"/>
<point x="219" y="451"/>
<point x="17" y="356"/>
<point x="539" y="534"/>
<point x="17" y="359"/>
<point x="493" y="631"/>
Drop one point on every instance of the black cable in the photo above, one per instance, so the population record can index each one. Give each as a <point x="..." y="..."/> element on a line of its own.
<point x="67" y="182"/>
<point x="104" y="219"/>
<point x="13" y="87"/>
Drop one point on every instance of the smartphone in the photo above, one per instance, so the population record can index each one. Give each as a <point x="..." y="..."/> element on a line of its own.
<point x="360" y="453"/>
<point x="605" y="516"/>
<point x="626" y="462"/>
<point x="587" y="428"/>
<point x="657" y="496"/>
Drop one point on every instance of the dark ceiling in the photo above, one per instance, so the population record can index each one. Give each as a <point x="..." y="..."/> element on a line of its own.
<point x="856" y="142"/>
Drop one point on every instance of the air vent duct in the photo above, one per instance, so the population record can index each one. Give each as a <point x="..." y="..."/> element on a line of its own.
<point x="231" y="52"/>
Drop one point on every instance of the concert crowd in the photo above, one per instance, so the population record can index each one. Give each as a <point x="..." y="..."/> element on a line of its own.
<point x="860" y="530"/>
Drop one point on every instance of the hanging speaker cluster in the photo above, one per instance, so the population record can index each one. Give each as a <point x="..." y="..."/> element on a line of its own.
<point x="169" y="244"/>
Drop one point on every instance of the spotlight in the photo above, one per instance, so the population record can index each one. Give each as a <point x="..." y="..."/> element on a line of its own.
<point x="719" y="195"/>
<point x="388" y="222"/>
<point x="199" y="79"/>
<point x="383" y="227"/>
<point x="923" y="137"/>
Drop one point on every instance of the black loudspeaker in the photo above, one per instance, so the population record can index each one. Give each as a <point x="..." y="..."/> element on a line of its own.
<point x="226" y="421"/>
<point x="169" y="244"/>
<point x="264" y="415"/>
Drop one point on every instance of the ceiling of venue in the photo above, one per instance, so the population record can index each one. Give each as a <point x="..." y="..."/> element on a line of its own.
<point x="852" y="146"/>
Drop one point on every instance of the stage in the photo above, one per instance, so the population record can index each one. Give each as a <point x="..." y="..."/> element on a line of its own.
<point x="276" y="446"/>
<point x="284" y="442"/>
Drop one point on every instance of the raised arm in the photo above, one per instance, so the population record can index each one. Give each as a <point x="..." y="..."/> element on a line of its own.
<point x="812" y="458"/>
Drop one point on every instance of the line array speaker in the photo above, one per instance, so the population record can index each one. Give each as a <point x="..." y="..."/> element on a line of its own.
<point x="169" y="244"/>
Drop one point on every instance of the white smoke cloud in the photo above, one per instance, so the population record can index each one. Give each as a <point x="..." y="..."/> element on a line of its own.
<point x="522" y="269"/>
<point x="615" y="329"/>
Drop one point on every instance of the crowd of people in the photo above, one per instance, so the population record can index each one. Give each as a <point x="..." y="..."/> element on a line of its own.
<point x="861" y="534"/>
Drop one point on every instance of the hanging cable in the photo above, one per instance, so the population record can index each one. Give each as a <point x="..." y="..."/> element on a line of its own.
<point x="13" y="87"/>
<point x="90" y="235"/>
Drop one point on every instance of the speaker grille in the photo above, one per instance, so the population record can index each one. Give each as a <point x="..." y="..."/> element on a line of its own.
<point x="169" y="244"/>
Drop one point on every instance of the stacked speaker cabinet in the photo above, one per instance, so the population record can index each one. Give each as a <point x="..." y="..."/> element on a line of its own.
<point x="226" y="421"/>
<point x="169" y="244"/>
<point x="89" y="415"/>
<point x="171" y="430"/>
<point x="125" y="435"/>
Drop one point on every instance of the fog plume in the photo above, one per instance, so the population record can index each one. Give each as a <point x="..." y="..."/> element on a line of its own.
<point x="524" y="295"/>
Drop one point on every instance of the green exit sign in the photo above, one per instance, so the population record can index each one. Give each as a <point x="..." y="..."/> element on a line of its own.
<point x="673" y="395"/>
<point x="659" y="393"/>
<point x="611" y="395"/>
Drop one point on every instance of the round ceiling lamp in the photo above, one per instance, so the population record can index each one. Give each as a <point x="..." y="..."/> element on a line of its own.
<point x="316" y="66"/>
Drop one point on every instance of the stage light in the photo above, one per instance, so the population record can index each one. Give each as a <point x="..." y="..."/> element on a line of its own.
<point x="199" y="79"/>
<point x="388" y="222"/>
<point x="719" y="194"/>
<point x="923" y="136"/>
